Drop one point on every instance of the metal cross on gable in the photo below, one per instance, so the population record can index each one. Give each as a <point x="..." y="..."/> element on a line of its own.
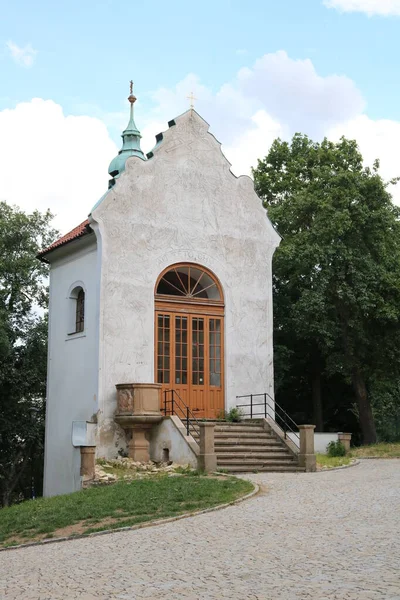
<point x="191" y="98"/>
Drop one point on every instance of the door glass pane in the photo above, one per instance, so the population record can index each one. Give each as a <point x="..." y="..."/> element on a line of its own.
<point x="163" y="349"/>
<point x="197" y="351"/>
<point x="215" y="352"/>
<point x="181" y="325"/>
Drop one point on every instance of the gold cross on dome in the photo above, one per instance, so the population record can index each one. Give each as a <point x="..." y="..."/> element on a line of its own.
<point x="191" y="98"/>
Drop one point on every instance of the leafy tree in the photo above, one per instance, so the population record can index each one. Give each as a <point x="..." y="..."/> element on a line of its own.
<point x="337" y="270"/>
<point x="23" y="342"/>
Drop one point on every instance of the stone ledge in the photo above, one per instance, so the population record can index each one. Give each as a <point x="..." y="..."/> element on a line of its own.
<point x="378" y="458"/>
<point x="329" y="469"/>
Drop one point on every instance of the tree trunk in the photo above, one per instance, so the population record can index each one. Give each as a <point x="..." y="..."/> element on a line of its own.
<point x="10" y="482"/>
<point x="317" y="402"/>
<point x="364" y="408"/>
<point x="5" y="498"/>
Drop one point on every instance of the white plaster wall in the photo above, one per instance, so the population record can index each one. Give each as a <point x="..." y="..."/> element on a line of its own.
<point x="182" y="205"/>
<point x="321" y="440"/>
<point x="72" y="369"/>
<point x="167" y="435"/>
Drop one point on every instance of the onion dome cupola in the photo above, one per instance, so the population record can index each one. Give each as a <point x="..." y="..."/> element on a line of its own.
<point x="131" y="144"/>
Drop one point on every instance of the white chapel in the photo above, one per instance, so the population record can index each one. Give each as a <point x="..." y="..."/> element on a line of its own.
<point x="167" y="286"/>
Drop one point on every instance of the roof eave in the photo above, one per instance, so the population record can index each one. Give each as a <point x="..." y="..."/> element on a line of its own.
<point x="41" y="255"/>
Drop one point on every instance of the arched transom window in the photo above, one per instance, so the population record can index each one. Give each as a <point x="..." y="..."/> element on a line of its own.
<point x="189" y="282"/>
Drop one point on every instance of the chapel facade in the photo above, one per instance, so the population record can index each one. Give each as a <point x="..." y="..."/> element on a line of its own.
<point x="169" y="282"/>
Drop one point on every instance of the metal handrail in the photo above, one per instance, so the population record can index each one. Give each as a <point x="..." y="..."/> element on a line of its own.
<point x="279" y="412"/>
<point x="181" y="410"/>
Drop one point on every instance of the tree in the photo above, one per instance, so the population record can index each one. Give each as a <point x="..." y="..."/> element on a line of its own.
<point x="23" y="344"/>
<point x="337" y="270"/>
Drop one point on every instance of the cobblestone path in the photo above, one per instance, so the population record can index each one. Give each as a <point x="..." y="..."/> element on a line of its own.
<point x="325" y="536"/>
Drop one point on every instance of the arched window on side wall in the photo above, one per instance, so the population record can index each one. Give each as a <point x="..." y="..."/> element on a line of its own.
<point x="80" y="311"/>
<point x="76" y="319"/>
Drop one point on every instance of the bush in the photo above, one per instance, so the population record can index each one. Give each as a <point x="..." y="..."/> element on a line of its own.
<point x="234" y="415"/>
<point x="336" y="449"/>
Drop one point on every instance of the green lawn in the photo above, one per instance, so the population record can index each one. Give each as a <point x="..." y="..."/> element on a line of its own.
<point x="119" y="505"/>
<point x="382" y="450"/>
<point x="323" y="460"/>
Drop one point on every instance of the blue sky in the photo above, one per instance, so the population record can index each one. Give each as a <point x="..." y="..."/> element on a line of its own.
<point x="88" y="50"/>
<point x="258" y="68"/>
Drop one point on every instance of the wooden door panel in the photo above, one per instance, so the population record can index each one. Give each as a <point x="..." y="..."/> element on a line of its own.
<point x="197" y="402"/>
<point x="215" y="404"/>
<point x="189" y="359"/>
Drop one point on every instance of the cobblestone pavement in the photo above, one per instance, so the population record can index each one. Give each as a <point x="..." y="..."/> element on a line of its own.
<point x="324" y="536"/>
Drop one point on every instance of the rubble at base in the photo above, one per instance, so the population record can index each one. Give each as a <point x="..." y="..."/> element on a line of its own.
<point x="122" y="469"/>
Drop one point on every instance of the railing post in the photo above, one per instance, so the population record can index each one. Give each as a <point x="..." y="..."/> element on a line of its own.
<point x="165" y="403"/>
<point x="207" y="459"/>
<point x="172" y="402"/>
<point x="307" y="456"/>
<point x="345" y="439"/>
<point x="251" y="406"/>
<point x="265" y="406"/>
<point x="187" y="420"/>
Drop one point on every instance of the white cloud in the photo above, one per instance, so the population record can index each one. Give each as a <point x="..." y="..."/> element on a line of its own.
<point x="24" y="57"/>
<point x="54" y="161"/>
<point x="292" y="91"/>
<point x="61" y="162"/>
<point x="384" y="8"/>
<point x="376" y="139"/>
<point x="254" y="143"/>
<point x="276" y="96"/>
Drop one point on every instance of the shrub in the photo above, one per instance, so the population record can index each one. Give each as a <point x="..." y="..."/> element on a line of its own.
<point x="336" y="449"/>
<point x="234" y="415"/>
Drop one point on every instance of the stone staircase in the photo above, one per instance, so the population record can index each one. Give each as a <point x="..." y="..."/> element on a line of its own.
<point x="251" y="446"/>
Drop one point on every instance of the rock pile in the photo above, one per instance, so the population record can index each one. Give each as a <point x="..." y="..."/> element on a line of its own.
<point x="109" y="471"/>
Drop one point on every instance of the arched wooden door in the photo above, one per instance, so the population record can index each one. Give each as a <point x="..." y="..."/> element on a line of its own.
<point x="189" y="332"/>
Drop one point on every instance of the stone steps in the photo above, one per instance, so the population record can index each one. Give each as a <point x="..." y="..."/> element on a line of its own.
<point x="262" y="469"/>
<point x="235" y="435"/>
<point x="236" y="428"/>
<point x="248" y="446"/>
<point x="253" y="460"/>
<point x="240" y="456"/>
<point x="234" y="441"/>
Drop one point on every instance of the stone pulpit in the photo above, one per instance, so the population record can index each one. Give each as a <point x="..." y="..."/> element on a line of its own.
<point x="138" y="409"/>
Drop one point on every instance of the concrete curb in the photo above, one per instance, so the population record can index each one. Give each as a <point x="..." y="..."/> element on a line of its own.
<point x="70" y="538"/>
<point x="379" y="458"/>
<point x="329" y="469"/>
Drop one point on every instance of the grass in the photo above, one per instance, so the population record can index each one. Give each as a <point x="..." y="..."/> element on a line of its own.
<point x="330" y="462"/>
<point x="119" y="505"/>
<point x="382" y="450"/>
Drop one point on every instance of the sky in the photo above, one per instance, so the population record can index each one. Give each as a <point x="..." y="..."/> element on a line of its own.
<point x="259" y="69"/>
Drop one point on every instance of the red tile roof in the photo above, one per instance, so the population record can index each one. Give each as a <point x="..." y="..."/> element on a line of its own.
<point x="75" y="233"/>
